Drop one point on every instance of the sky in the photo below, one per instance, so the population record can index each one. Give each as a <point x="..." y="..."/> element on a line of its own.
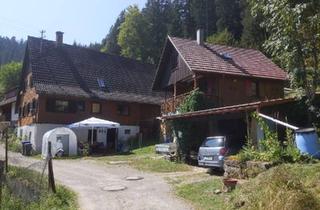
<point x="83" y="21"/>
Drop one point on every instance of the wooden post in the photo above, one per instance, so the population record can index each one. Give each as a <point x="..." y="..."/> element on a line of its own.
<point x="195" y="82"/>
<point x="2" y="164"/>
<point x="6" y="150"/>
<point x="50" y="170"/>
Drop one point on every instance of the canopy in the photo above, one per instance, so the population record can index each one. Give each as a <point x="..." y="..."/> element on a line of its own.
<point x="94" y="122"/>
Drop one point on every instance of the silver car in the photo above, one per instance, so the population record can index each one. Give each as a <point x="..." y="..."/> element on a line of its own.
<point x="212" y="152"/>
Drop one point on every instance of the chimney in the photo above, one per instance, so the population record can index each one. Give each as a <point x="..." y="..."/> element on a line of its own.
<point x="200" y="37"/>
<point x="59" y="38"/>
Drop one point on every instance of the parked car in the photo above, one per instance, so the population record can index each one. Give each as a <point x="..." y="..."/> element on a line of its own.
<point x="213" y="151"/>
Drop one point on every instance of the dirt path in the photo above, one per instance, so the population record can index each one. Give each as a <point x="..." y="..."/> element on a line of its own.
<point x="89" y="180"/>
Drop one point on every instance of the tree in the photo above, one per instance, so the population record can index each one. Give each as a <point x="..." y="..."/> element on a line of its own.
<point x="9" y="76"/>
<point x="253" y="35"/>
<point x="157" y="16"/>
<point x="204" y="15"/>
<point x="224" y="38"/>
<point x="110" y="43"/>
<point x="229" y="17"/>
<point x="294" y="29"/>
<point x="11" y="50"/>
<point x="132" y="35"/>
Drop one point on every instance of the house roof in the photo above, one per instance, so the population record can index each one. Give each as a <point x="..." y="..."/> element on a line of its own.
<point x="74" y="71"/>
<point x="225" y="60"/>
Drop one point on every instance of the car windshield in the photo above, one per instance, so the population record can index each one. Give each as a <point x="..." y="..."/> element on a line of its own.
<point x="214" y="142"/>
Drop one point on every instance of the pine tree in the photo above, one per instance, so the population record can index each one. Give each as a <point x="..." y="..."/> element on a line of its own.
<point x="253" y="35"/>
<point x="132" y="35"/>
<point x="157" y="16"/>
<point x="229" y="17"/>
<point x="110" y="43"/>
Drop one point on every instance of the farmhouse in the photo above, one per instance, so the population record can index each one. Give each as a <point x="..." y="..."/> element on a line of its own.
<point x="235" y="82"/>
<point x="62" y="84"/>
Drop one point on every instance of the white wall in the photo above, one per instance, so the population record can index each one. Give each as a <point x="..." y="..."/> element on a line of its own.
<point x="122" y="136"/>
<point x="35" y="132"/>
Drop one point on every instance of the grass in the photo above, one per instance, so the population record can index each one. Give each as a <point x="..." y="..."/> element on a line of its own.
<point x="63" y="199"/>
<point x="285" y="187"/>
<point x="199" y="190"/>
<point x="145" y="159"/>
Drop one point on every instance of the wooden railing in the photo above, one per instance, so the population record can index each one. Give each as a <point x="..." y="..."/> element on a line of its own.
<point x="170" y="105"/>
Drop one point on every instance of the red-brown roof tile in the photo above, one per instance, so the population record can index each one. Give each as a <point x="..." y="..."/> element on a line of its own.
<point x="243" y="62"/>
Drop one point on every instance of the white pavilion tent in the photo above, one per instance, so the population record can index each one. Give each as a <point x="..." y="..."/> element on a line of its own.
<point x="94" y="123"/>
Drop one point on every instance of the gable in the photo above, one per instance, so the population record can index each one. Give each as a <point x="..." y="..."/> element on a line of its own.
<point x="217" y="59"/>
<point x="172" y="68"/>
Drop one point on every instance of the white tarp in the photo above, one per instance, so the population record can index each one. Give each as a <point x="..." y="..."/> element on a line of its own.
<point x="63" y="138"/>
<point x="94" y="123"/>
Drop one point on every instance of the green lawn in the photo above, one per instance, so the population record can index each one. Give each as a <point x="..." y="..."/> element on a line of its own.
<point x="144" y="159"/>
<point x="285" y="187"/>
<point x="201" y="194"/>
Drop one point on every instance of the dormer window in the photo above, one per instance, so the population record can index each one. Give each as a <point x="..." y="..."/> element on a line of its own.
<point x="101" y="83"/>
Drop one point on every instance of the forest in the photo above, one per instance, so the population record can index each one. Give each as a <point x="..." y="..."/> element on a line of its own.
<point x="141" y="34"/>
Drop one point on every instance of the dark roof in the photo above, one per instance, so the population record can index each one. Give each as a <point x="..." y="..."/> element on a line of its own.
<point x="73" y="71"/>
<point x="225" y="60"/>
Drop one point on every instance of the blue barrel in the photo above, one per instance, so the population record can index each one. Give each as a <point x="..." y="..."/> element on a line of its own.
<point x="307" y="142"/>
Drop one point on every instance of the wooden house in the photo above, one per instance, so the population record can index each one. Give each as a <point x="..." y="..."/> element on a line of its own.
<point x="232" y="79"/>
<point x="62" y="84"/>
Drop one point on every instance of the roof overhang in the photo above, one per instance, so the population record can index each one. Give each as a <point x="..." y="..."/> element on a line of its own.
<point x="230" y="109"/>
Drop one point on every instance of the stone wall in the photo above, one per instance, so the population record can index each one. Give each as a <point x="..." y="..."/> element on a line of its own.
<point x="242" y="170"/>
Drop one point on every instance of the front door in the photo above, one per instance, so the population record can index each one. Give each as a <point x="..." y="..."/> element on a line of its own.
<point x="111" y="139"/>
<point x="92" y="139"/>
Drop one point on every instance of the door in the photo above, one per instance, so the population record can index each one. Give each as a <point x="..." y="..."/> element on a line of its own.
<point x="65" y="143"/>
<point x="92" y="139"/>
<point x="111" y="139"/>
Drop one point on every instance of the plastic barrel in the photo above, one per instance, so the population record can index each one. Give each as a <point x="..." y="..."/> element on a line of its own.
<point x="307" y="142"/>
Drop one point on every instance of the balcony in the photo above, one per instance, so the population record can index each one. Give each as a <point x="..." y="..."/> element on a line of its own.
<point x="170" y="105"/>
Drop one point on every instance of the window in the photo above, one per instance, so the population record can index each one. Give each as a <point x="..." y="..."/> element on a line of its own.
<point x="123" y="109"/>
<point x="96" y="108"/>
<point x="33" y="106"/>
<point x="81" y="107"/>
<point x="252" y="89"/>
<point x="214" y="142"/>
<point x="65" y="106"/>
<point x="61" y="106"/>
<point x="29" y="109"/>
<point x="127" y="131"/>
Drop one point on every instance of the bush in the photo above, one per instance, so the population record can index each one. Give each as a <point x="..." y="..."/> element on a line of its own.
<point x="271" y="148"/>
<point x="14" y="143"/>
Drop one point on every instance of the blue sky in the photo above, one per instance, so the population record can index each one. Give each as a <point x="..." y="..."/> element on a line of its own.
<point x="83" y="21"/>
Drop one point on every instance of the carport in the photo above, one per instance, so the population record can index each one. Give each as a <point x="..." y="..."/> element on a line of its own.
<point x="233" y="121"/>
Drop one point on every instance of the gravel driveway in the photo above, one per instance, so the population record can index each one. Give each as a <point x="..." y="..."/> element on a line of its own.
<point x="91" y="181"/>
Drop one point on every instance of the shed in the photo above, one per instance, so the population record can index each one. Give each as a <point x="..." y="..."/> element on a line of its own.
<point x="58" y="136"/>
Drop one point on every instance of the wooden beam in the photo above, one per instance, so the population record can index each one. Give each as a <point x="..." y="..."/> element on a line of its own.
<point x="195" y="82"/>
